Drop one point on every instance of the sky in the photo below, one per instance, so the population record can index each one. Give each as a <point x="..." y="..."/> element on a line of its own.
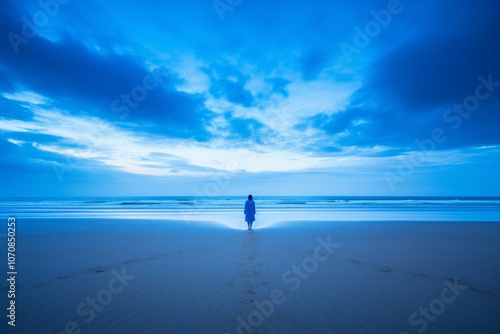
<point x="218" y="98"/>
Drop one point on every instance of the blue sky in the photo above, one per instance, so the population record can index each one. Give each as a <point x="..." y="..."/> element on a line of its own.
<point x="233" y="97"/>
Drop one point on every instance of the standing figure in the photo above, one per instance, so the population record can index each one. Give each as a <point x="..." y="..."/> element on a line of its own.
<point x="249" y="211"/>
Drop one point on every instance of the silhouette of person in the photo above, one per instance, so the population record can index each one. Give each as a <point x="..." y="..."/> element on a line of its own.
<point x="249" y="212"/>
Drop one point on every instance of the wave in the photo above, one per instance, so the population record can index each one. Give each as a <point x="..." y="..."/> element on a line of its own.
<point x="291" y="203"/>
<point x="139" y="203"/>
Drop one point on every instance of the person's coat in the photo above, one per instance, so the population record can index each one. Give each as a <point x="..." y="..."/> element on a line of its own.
<point x="249" y="210"/>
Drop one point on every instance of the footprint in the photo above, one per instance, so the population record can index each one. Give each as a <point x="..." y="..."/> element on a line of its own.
<point x="482" y="292"/>
<point x="384" y="269"/>
<point x="422" y="275"/>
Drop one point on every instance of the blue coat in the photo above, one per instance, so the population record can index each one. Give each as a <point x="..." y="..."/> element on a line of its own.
<point x="249" y="211"/>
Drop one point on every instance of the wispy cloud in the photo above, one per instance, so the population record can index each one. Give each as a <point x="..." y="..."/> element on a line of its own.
<point x="133" y="152"/>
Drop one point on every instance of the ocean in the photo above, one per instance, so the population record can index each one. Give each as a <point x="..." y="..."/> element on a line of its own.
<point x="270" y="209"/>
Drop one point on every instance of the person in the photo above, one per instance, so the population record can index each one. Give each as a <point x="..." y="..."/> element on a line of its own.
<point x="249" y="212"/>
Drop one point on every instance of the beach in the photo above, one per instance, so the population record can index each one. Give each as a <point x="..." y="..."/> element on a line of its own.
<point x="141" y="139"/>
<point x="79" y="273"/>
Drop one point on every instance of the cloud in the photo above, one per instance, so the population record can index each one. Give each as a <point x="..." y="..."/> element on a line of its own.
<point x="229" y="83"/>
<point x="93" y="139"/>
<point x="312" y="63"/>
<point x="410" y="82"/>
<point x="441" y="66"/>
<point x="167" y="90"/>
<point x="105" y="84"/>
<point x="279" y="86"/>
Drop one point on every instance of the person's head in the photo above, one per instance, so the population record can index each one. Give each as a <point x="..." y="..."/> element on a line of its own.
<point x="250" y="197"/>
